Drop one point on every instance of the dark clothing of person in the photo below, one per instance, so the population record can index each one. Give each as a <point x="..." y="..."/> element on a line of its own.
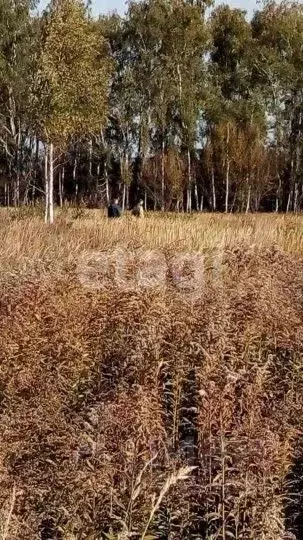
<point x="136" y="211"/>
<point x="114" y="211"/>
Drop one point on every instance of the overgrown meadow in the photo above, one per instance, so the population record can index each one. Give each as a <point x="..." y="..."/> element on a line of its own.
<point x="140" y="413"/>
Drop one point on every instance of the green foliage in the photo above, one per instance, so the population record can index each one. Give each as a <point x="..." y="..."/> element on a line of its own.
<point x="73" y="75"/>
<point x="163" y="80"/>
<point x="16" y="44"/>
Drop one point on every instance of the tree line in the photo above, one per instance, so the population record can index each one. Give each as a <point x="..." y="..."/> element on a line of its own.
<point x="189" y="107"/>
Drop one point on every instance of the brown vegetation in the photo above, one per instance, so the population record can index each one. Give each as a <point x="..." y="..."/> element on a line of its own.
<point x="140" y="415"/>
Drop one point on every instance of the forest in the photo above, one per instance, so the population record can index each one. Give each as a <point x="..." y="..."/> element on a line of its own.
<point x="187" y="106"/>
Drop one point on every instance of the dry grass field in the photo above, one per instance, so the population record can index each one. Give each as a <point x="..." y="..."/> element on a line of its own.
<point x="138" y="413"/>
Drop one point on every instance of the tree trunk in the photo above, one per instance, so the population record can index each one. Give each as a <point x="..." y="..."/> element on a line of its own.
<point x="13" y="133"/>
<point x="75" y="177"/>
<point x="188" y="202"/>
<point x="296" y="193"/>
<point x="196" y="196"/>
<point x="213" y="187"/>
<point x="278" y="194"/>
<point x="145" y="200"/>
<point x="90" y="167"/>
<point x="18" y="169"/>
<point x="288" y="202"/>
<point x="36" y="171"/>
<point x="106" y="183"/>
<point x="61" y="186"/>
<point x="127" y="196"/>
<point x="16" y="191"/>
<point x="97" y="183"/>
<point x="248" y="200"/>
<point x="227" y="170"/>
<point x="105" y="148"/>
<point x="298" y="164"/>
<point x="291" y="186"/>
<point x="123" y="197"/>
<point x="33" y="195"/>
<point x="124" y="171"/>
<point x="233" y="203"/>
<point x="26" y="192"/>
<point x="6" y="194"/>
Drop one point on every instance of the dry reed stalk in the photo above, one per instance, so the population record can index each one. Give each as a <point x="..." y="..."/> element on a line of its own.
<point x="6" y="528"/>
<point x="181" y="474"/>
<point x="94" y="384"/>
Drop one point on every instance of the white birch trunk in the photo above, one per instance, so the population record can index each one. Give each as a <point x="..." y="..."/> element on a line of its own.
<point x="75" y="178"/>
<point x="18" y="166"/>
<point x="288" y="202"/>
<point x="6" y="194"/>
<point x="124" y="168"/>
<point x="97" y="183"/>
<point x="90" y="168"/>
<point x="277" y="204"/>
<point x="196" y="197"/>
<point x="106" y="184"/>
<point x="127" y="196"/>
<point x="188" y="202"/>
<point x="296" y="195"/>
<point x="248" y="200"/>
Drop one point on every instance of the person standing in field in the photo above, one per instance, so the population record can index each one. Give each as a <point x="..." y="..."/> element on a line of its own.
<point x="138" y="210"/>
<point x="114" y="210"/>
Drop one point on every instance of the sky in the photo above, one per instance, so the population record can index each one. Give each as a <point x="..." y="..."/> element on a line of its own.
<point x="103" y="6"/>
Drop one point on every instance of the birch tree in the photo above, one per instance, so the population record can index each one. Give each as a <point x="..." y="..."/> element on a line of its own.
<point x="188" y="40"/>
<point x="231" y="79"/>
<point x="17" y="47"/>
<point x="120" y="136"/>
<point x="278" y="31"/>
<point x="72" y="85"/>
